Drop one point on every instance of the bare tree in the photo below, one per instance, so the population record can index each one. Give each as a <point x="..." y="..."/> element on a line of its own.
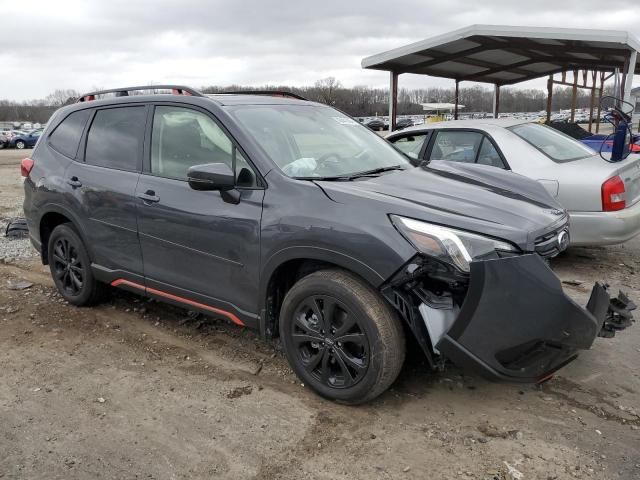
<point x="61" y="97"/>
<point x="327" y="89"/>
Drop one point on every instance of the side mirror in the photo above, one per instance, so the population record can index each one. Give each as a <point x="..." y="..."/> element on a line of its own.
<point x="211" y="176"/>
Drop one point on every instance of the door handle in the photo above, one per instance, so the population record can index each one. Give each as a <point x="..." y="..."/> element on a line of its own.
<point x="149" y="197"/>
<point x="74" y="182"/>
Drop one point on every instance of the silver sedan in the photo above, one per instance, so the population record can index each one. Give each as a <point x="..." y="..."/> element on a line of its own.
<point x="601" y="197"/>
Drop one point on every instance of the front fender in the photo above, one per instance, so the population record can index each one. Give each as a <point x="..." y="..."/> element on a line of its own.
<point x="311" y="253"/>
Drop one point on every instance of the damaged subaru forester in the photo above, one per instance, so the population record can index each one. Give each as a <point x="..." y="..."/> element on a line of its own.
<point x="288" y="216"/>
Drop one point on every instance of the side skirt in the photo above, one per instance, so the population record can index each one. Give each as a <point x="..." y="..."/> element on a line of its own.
<point x="136" y="284"/>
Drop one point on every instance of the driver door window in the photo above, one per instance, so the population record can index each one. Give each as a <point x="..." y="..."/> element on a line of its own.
<point x="456" y="146"/>
<point x="182" y="137"/>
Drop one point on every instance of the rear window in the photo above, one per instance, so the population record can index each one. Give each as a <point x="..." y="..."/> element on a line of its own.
<point x="554" y="144"/>
<point x="66" y="137"/>
<point x="115" y="138"/>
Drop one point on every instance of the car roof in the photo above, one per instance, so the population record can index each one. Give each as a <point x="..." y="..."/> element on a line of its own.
<point x="249" y="99"/>
<point x="218" y="99"/>
<point x="472" y="123"/>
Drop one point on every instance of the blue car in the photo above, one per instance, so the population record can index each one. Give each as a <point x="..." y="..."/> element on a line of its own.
<point x="25" y="140"/>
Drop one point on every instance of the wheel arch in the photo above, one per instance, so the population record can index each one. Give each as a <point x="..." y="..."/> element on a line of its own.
<point x="289" y="265"/>
<point x="56" y="215"/>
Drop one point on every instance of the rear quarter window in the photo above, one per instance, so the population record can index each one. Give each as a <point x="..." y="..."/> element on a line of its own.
<point x="65" y="139"/>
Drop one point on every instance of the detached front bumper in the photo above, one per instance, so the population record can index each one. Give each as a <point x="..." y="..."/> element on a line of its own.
<point x="517" y="324"/>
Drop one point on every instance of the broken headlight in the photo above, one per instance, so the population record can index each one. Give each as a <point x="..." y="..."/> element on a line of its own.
<point x="455" y="247"/>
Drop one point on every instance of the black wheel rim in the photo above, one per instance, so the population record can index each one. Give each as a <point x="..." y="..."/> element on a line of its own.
<point x="67" y="266"/>
<point x="330" y="342"/>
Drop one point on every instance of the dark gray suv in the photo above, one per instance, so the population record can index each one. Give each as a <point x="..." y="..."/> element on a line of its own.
<point x="290" y="217"/>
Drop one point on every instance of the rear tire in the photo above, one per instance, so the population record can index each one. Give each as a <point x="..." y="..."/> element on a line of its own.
<point x="341" y="338"/>
<point x="20" y="145"/>
<point x="71" y="267"/>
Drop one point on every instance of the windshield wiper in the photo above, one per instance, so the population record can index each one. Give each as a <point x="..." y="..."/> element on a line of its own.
<point x="352" y="176"/>
<point x="375" y="171"/>
<point x="325" y="179"/>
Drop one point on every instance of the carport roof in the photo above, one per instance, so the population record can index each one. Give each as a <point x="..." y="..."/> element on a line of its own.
<point x="505" y="55"/>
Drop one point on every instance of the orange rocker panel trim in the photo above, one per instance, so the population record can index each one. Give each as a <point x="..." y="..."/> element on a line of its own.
<point x="231" y="316"/>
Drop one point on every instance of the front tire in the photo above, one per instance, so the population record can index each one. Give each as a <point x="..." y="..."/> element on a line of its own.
<point x="341" y="338"/>
<point x="71" y="267"/>
<point x="20" y="145"/>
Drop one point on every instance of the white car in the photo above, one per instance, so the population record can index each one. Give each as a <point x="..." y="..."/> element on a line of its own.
<point x="601" y="196"/>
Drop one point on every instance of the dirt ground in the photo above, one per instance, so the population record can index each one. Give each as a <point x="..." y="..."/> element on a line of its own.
<point x="138" y="389"/>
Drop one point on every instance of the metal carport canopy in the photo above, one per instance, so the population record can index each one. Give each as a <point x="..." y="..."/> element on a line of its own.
<point x="504" y="55"/>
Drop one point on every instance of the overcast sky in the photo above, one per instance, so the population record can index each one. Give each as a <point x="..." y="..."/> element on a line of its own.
<point x="90" y="43"/>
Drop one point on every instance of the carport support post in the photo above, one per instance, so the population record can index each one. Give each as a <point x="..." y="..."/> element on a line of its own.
<point x="574" y="96"/>
<point x="600" y="92"/>
<point x="549" y="97"/>
<point x="455" y="109"/>
<point x="496" y="100"/>
<point x="393" y="100"/>
<point x="628" y="83"/>
<point x="592" y="102"/>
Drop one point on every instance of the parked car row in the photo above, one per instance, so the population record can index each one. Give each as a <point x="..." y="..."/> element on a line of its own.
<point x="292" y="218"/>
<point x="19" y="139"/>
<point x="378" y="125"/>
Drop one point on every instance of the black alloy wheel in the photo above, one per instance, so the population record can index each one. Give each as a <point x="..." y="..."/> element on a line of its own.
<point x="330" y="343"/>
<point x="342" y="339"/>
<point x="67" y="266"/>
<point x="71" y="267"/>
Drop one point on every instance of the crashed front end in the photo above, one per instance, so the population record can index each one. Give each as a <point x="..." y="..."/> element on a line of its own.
<point x="502" y="314"/>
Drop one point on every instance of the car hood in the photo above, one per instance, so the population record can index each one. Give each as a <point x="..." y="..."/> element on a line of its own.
<point x="476" y="198"/>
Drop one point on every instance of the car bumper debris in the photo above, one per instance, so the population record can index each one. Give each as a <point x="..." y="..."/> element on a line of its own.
<point x="514" y="322"/>
<point x="17" y="228"/>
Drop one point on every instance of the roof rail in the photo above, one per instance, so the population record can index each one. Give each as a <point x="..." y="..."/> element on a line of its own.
<point x="124" y="91"/>
<point x="271" y="93"/>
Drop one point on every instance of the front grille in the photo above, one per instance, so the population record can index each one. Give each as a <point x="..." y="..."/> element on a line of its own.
<point x="548" y="246"/>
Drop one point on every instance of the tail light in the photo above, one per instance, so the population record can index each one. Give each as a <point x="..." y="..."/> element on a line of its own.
<point x="613" y="197"/>
<point x="25" y="166"/>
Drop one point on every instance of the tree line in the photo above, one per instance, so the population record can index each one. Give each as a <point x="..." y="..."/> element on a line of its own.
<point x="358" y="101"/>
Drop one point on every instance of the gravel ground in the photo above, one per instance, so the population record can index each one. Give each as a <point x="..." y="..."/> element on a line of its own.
<point x="11" y="206"/>
<point x="137" y="389"/>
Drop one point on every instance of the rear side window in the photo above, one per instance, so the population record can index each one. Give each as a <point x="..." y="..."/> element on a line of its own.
<point x="115" y="138"/>
<point x="488" y="155"/>
<point x="66" y="137"/>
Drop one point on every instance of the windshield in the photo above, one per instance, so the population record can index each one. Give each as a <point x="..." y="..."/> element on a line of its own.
<point x="554" y="144"/>
<point x="308" y="141"/>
